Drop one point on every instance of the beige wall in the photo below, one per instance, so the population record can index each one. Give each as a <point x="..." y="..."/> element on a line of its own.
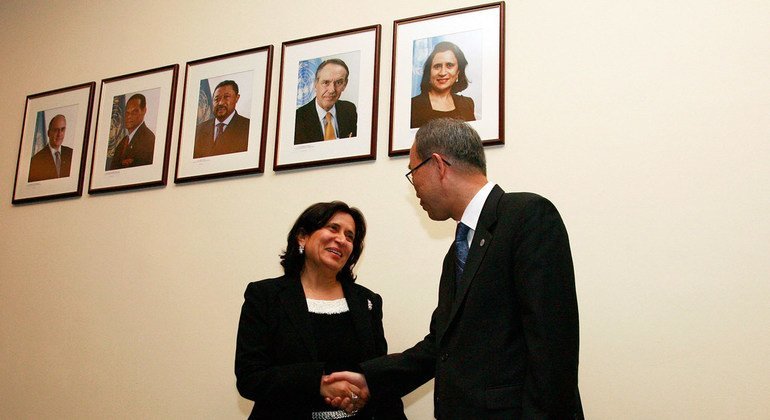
<point x="646" y="123"/>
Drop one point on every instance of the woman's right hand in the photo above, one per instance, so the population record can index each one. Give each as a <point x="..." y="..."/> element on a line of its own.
<point x="345" y="394"/>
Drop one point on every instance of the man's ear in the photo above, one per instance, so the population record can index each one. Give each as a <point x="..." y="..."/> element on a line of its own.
<point x="440" y="164"/>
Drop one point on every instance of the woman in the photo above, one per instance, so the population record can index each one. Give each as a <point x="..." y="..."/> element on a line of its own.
<point x="311" y="321"/>
<point x="443" y="75"/>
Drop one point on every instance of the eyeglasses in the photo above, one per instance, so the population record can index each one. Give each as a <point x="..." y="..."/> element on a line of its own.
<point x="409" y="174"/>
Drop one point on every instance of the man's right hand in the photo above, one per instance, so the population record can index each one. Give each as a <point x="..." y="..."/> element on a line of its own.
<point x="350" y="405"/>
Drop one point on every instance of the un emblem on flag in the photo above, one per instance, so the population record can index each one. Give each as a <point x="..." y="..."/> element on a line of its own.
<point x="204" y="107"/>
<point x="116" y="124"/>
<point x="305" y="80"/>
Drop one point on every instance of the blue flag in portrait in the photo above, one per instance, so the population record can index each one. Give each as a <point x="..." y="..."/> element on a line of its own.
<point x="306" y="79"/>
<point x="117" y="128"/>
<point x="40" y="140"/>
<point x="205" y="102"/>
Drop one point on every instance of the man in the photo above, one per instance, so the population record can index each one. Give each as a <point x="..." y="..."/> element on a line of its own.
<point x="227" y="132"/>
<point x="327" y="117"/>
<point x="137" y="148"/>
<point x="503" y="340"/>
<point x="53" y="160"/>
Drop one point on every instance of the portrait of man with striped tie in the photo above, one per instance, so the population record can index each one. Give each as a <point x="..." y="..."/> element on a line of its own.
<point x="226" y="131"/>
<point x="53" y="160"/>
<point x="326" y="116"/>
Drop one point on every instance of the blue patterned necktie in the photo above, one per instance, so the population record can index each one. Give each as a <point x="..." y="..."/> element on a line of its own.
<point x="461" y="249"/>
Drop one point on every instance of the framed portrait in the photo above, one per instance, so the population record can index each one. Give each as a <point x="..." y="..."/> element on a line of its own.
<point x="327" y="100"/>
<point x="133" y="130"/>
<point x="448" y="65"/>
<point x="225" y="103"/>
<point x="53" y="148"/>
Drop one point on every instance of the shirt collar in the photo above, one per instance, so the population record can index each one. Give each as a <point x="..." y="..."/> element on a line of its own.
<point x="131" y="134"/>
<point x="226" y="121"/>
<point x="473" y="210"/>
<point x="322" y="112"/>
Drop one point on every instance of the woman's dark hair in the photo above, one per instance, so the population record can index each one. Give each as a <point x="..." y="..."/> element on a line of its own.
<point x="313" y="218"/>
<point x="462" y="63"/>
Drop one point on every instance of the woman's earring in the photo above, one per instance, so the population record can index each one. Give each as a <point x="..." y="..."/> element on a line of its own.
<point x="301" y="249"/>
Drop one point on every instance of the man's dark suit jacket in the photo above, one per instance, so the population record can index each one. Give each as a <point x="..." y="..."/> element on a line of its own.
<point x="307" y="126"/>
<point x="138" y="153"/>
<point x="276" y="359"/>
<point x="234" y="139"/>
<point x="505" y="345"/>
<point x="42" y="165"/>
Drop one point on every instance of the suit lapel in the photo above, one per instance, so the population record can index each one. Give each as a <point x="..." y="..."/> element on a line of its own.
<point x="294" y="304"/>
<point x="311" y="115"/>
<point x="446" y="294"/>
<point x="50" y="164"/>
<point x="343" y="121"/>
<point x="482" y="237"/>
<point x="359" y="310"/>
<point x="66" y="159"/>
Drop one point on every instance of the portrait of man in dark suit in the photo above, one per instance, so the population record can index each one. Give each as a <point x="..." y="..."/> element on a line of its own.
<point x="137" y="148"/>
<point x="326" y="117"/>
<point x="227" y="132"/>
<point x="54" y="160"/>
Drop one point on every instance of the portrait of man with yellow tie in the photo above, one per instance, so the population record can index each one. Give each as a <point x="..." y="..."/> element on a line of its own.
<point x="326" y="116"/>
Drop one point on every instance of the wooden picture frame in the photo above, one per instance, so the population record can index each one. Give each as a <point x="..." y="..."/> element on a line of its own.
<point x="133" y="130"/>
<point x="60" y="118"/>
<point x="300" y="134"/>
<point x="231" y="91"/>
<point x="466" y="49"/>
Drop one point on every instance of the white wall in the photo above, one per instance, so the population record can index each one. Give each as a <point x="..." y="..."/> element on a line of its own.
<point x="645" y="122"/>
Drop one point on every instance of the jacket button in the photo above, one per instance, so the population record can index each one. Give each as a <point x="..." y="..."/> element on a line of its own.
<point x="444" y="357"/>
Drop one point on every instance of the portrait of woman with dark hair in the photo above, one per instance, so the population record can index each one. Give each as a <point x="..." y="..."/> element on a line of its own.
<point x="443" y="77"/>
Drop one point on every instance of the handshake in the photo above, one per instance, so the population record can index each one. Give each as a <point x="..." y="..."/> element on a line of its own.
<point x="345" y="390"/>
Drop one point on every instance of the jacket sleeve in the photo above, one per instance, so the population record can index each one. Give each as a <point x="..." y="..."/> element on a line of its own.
<point x="398" y="374"/>
<point x="389" y="406"/>
<point x="259" y="377"/>
<point x="546" y="294"/>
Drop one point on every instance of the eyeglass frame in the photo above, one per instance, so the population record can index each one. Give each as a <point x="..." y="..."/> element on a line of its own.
<point x="409" y="174"/>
